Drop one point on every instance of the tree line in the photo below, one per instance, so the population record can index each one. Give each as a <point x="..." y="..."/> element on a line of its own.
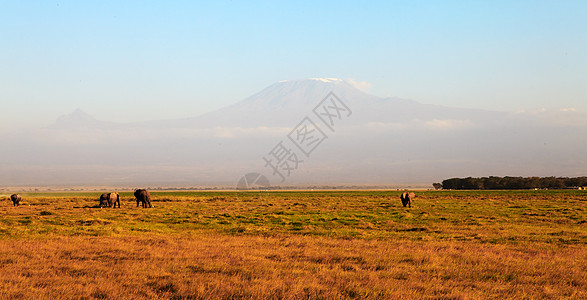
<point x="511" y="183"/>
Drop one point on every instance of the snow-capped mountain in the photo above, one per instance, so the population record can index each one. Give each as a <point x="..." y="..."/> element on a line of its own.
<point x="285" y="103"/>
<point x="379" y="141"/>
<point x="279" y="105"/>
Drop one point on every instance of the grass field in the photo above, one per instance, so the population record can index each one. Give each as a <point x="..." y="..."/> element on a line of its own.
<point x="297" y="245"/>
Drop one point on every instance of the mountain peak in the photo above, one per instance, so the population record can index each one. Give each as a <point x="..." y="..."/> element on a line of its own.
<point x="78" y="114"/>
<point x="300" y="93"/>
<point x="77" y="119"/>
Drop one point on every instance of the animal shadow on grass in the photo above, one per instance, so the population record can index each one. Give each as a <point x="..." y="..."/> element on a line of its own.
<point x="88" y="206"/>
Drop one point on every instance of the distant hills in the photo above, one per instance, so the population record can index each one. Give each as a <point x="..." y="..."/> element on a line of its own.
<point x="80" y="119"/>
<point x="374" y="141"/>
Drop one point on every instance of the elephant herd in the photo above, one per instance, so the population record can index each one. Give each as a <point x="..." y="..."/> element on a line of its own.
<point x="144" y="197"/>
<point x="107" y="199"/>
<point x="111" y="199"/>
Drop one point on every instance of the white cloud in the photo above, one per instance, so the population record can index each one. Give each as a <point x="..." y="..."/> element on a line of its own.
<point x="435" y="124"/>
<point x="240" y="132"/>
<point x="448" y="124"/>
<point x="361" y="85"/>
<point x="90" y="136"/>
<point x="385" y="125"/>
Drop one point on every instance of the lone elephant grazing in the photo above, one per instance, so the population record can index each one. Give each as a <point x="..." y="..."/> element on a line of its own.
<point x="407" y="198"/>
<point x="15" y="199"/>
<point x="144" y="197"/>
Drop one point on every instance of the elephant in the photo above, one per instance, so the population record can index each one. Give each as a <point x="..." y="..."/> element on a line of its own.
<point x="113" y="198"/>
<point x="104" y="200"/>
<point x="144" y="197"/>
<point x="15" y="199"/>
<point x="407" y="198"/>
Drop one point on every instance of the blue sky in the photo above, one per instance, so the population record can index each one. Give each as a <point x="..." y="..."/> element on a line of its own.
<point x="142" y="60"/>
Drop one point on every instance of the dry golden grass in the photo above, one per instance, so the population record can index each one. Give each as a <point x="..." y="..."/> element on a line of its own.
<point x="325" y="245"/>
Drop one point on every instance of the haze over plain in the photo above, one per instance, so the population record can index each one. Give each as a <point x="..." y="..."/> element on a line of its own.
<point x="137" y="62"/>
<point x="319" y="131"/>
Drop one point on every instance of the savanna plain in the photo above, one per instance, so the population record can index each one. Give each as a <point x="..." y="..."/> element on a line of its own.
<point x="296" y="245"/>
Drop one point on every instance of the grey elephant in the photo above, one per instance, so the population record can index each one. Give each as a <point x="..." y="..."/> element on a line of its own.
<point x="15" y="199"/>
<point x="110" y="199"/>
<point x="407" y="198"/>
<point x="113" y="198"/>
<point x="104" y="200"/>
<point x="144" y="197"/>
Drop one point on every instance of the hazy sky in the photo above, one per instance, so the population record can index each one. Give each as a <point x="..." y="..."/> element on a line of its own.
<point x="141" y="60"/>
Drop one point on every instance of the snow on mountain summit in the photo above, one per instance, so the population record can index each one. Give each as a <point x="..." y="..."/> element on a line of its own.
<point x="327" y="80"/>
<point x="301" y="94"/>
